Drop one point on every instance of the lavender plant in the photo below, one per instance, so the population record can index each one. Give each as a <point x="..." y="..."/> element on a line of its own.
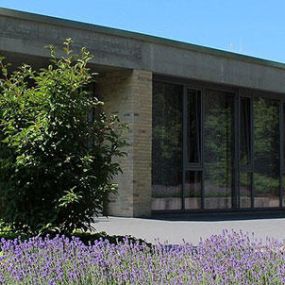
<point x="228" y="258"/>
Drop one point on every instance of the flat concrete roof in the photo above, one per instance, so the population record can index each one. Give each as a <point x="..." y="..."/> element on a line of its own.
<point x="27" y="33"/>
<point x="135" y="35"/>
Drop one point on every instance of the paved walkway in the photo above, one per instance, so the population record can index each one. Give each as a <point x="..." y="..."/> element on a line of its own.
<point x="176" y="231"/>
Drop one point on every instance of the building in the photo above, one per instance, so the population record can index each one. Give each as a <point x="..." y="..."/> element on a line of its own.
<point x="206" y="127"/>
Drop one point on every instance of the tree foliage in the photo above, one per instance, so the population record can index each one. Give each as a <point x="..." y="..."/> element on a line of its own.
<point x="56" y="162"/>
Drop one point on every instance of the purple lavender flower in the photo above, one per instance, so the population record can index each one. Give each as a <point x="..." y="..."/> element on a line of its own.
<point x="228" y="258"/>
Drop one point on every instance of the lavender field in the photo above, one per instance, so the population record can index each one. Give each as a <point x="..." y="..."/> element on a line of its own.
<point x="229" y="258"/>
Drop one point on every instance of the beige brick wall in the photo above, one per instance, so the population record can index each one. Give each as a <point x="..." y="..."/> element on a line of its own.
<point x="129" y="94"/>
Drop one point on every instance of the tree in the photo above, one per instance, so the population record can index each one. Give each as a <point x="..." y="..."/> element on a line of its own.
<point x="56" y="165"/>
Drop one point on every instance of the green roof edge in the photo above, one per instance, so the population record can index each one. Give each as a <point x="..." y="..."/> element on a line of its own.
<point x="138" y="36"/>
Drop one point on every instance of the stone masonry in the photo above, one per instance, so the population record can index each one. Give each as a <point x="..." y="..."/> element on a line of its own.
<point x="128" y="94"/>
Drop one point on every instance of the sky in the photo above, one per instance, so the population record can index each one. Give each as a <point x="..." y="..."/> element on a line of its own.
<point x="251" y="27"/>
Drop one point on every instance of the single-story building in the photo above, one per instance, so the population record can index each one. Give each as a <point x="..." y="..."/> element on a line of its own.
<point x="206" y="127"/>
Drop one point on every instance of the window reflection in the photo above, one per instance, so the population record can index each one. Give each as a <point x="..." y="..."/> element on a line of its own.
<point x="218" y="149"/>
<point x="210" y="150"/>
<point x="167" y="147"/>
<point x="266" y="152"/>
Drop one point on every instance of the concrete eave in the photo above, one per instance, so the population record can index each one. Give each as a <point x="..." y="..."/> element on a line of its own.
<point x="28" y="33"/>
<point x="136" y="36"/>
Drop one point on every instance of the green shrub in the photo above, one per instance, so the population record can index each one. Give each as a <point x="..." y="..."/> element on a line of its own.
<point x="56" y="165"/>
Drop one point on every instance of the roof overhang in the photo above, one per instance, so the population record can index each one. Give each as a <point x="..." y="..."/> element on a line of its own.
<point x="25" y="35"/>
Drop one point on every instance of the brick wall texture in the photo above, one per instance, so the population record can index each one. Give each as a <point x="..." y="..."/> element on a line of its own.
<point x="129" y="95"/>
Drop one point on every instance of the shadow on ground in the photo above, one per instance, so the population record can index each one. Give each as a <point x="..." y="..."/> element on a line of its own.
<point x="217" y="217"/>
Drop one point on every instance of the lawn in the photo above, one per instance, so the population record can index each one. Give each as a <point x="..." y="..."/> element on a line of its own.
<point x="228" y="258"/>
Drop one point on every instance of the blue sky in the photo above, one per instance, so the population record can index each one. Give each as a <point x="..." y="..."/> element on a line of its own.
<point x="251" y="27"/>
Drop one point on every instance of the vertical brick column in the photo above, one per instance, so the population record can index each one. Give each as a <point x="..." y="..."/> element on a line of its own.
<point x="129" y="94"/>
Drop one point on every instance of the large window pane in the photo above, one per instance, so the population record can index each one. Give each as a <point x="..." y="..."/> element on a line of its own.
<point x="218" y="149"/>
<point x="193" y="189"/>
<point x="194" y="126"/>
<point x="167" y="147"/>
<point x="266" y="152"/>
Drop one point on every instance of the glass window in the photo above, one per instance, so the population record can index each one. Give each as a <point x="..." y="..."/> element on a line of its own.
<point x="218" y="149"/>
<point x="194" y="126"/>
<point x="210" y="150"/>
<point x="167" y="147"/>
<point x="266" y="152"/>
<point x="193" y="189"/>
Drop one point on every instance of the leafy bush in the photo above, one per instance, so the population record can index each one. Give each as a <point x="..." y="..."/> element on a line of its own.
<point x="56" y="164"/>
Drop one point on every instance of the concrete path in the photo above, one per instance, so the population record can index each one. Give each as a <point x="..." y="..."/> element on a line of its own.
<point x="175" y="232"/>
